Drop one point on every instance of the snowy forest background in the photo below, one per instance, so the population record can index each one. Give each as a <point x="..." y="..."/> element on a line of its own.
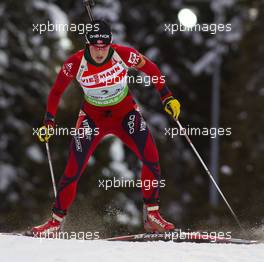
<point x="28" y="66"/>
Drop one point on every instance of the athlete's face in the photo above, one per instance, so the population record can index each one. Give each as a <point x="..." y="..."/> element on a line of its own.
<point x="99" y="52"/>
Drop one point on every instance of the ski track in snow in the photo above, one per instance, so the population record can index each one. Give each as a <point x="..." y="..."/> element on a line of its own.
<point x="26" y="249"/>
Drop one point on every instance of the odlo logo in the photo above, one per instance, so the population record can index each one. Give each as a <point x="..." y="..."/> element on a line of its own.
<point x="131" y="124"/>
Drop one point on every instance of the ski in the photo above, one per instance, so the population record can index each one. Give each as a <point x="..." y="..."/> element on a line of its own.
<point x="176" y="236"/>
<point x="23" y="234"/>
<point x="180" y="236"/>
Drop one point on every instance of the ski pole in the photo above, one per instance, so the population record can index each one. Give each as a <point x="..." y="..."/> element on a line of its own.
<point x="209" y="174"/>
<point x="88" y="5"/>
<point x="51" y="169"/>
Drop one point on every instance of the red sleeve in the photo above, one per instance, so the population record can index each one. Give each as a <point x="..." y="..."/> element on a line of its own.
<point x="157" y="78"/>
<point x="67" y="73"/>
<point x="132" y="58"/>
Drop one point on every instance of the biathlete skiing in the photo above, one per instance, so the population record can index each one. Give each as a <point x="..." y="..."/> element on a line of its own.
<point x="101" y="70"/>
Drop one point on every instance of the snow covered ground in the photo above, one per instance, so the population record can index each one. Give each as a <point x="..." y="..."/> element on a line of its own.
<point x="26" y="249"/>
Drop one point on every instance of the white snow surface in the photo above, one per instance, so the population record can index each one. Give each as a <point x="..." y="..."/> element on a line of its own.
<point x="25" y="249"/>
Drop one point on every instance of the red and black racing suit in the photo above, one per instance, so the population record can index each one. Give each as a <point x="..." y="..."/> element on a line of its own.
<point x="109" y="107"/>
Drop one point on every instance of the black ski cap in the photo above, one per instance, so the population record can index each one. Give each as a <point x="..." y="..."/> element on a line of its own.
<point x="100" y="33"/>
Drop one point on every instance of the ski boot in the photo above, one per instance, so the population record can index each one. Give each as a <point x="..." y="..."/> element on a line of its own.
<point x="153" y="222"/>
<point x="48" y="229"/>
